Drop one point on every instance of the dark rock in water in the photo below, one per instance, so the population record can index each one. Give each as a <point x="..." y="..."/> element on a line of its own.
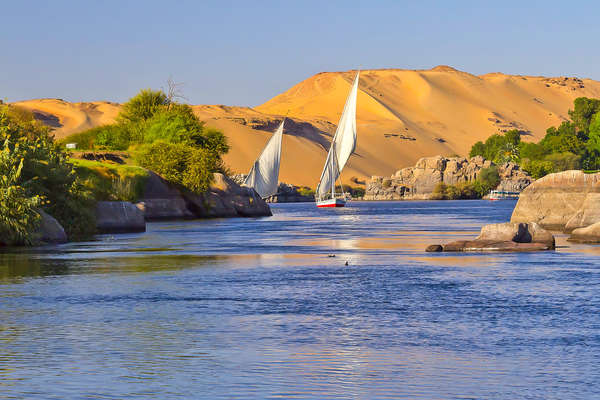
<point x="492" y="245"/>
<point x="119" y="217"/>
<point x="504" y="237"/>
<point x="162" y="200"/>
<point x="50" y="230"/>
<point x="561" y="201"/>
<point x="589" y="234"/>
<point x="434" y="248"/>
<point x="224" y="198"/>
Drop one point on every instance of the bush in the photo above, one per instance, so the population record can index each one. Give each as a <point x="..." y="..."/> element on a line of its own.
<point x="538" y="168"/>
<point x="44" y="172"/>
<point x="179" y="163"/>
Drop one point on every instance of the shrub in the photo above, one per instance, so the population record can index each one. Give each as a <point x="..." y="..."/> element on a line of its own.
<point x="179" y="163"/>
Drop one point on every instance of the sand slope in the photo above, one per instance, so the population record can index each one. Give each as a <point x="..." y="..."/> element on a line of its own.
<point x="402" y="115"/>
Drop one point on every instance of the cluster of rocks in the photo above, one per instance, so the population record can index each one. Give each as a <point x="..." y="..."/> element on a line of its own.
<point x="286" y="193"/>
<point x="566" y="201"/>
<point x="418" y="182"/>
<point x="163" y="201"/>
<point x="503" y="237"/>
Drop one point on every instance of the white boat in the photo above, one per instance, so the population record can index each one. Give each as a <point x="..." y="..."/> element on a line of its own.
<point x="503" y="195"/>
<point x="264" y="175"/>
<point x="342" y="147"/>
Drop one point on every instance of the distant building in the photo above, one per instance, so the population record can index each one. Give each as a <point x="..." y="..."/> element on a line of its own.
<point x="71" y="145"/>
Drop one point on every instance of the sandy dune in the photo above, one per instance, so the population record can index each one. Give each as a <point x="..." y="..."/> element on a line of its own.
<point x="402" y="115"/>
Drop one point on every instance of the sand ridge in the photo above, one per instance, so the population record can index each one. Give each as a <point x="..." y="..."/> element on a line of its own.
<point x="402" y="115"/>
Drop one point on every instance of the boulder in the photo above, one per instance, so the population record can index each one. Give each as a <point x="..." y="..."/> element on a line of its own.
<point x="517" y="232"/>
<point x="162" y="200"/>
<point x="119" y="217"/>
<point x="50" y="230"/>
<point x="561" y="201"/>
<point x="589" y="234"/>
<point x="225" y="198"/>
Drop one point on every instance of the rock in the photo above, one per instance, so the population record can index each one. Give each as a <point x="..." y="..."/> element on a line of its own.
<point x="504" y="237"/>
<point x="162" y="200"/>
<point x="492" y="245"/>
<point x="286" y="193"/>
<point x="561" y="201"/>
<point x="119" y="217"/>
<point x="434" y="248"/>
<point x="418" y="182"/>
<point x="50" y="230"/>
<point x="224" y="198"/>
<point x="589" y="234"/>
<point x="518" y="233"/>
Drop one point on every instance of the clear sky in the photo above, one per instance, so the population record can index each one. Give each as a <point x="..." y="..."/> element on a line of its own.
<point x="245" y="52"/>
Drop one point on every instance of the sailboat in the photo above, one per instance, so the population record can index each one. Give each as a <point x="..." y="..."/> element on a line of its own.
<point x="264" y="175"/>
<point x="342" y="146"/>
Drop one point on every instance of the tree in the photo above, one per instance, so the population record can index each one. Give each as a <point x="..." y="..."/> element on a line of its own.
<point x="583" y="112"/>
<point x="143" y="106"/>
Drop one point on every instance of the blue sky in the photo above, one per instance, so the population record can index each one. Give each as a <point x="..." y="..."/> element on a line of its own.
<point x="245" y="52"/>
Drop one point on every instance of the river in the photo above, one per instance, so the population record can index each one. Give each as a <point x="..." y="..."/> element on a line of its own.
<point x="267" y="308"/>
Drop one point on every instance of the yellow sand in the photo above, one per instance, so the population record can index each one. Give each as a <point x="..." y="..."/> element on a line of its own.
<point x="444" y="110"/>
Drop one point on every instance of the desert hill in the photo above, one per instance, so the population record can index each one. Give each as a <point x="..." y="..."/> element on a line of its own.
<point x="402" y="115"/>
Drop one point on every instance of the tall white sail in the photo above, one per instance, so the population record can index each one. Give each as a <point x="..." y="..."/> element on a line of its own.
<point x="264" y="175"/>
<point x="342" y="145"/>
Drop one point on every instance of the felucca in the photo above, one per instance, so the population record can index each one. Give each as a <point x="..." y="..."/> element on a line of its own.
<point x="264" y="175"/>
<point x="342" y="146"/>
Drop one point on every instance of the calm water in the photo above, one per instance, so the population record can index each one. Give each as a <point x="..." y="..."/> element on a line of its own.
<point x="256" y="308"/>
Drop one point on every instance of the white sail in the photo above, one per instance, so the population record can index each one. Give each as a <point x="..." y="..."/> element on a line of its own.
<point x="342" y="145"/>
<point x="264" y="175"/>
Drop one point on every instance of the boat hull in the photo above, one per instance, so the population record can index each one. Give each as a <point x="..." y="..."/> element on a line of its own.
<point x="329" y="203"/>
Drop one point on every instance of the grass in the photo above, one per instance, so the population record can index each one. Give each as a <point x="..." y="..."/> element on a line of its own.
<point x="112" y="182"/>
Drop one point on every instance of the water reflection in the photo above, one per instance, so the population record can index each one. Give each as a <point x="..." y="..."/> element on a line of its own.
<point x="257" y="309"/>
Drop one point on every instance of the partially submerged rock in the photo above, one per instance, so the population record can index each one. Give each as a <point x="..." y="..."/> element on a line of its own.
<point x="589" y="234"/>
<point x="50" y="230"/>
<point x="119" y="217"/>
<point x="224" y="198"/>
<point x="561" y="201"/>
<point x="503" y="237"/>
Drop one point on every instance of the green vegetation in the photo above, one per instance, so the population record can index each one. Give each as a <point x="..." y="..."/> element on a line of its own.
<point x="488" y="179"/>
<point x="575" y="144"/>
<point x="111" y="182"/>
<point x="35" y="173"/>
<point x="163" y="136"/>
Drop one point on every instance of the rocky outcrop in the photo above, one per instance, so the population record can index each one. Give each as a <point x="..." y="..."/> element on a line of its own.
<point x="161" y="200"/>
<point x="119" y="217"/>
<point x="589" y="234"/>
<point x="503" y="237"/>
<point x="561" y="201"/>
<point x="50" y="230"/>
<point x="224" y="198"/>
<point x="418" y="182"/>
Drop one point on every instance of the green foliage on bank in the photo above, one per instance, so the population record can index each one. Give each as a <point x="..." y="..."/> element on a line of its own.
<point x="488" y="179"/>
<point x="163" y="136"/>
<point x="36" y="174"/>
<point x="575" y="144"/>
<point x="112" y="182"/>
